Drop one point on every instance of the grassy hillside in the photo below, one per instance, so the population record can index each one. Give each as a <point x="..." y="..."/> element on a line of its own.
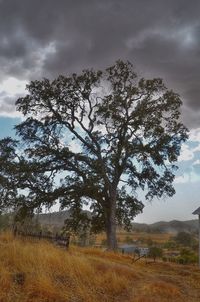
<point x="38" y="271"/>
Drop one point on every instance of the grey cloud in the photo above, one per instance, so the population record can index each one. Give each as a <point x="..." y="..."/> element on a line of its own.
<point x="161" y="38"/>
<point x="191" y="117"/>
<point x="7" y="104"/>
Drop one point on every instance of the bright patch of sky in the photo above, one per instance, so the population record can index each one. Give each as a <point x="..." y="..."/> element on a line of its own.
<point x="189" y="160"/>
<point x="13" y="86"/>
<point x="187" y="180"/>
<point x="179" y="207"/>
<point x="10" y="90"/>
<point x="7" y="126"/>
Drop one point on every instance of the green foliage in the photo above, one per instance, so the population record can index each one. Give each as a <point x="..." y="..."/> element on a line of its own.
<point x="155" y="252"/>
<point x="127" y="135"/>
<point x="187" y="256"/>
<point x="170" y="244"/>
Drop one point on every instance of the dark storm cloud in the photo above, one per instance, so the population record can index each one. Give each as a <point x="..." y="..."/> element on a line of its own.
<point x="48" y="37"/>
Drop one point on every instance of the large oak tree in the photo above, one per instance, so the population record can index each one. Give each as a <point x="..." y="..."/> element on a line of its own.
<point x="96" y="139"/>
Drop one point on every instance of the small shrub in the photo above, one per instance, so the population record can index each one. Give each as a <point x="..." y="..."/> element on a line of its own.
<point x="155" y="252"/>
<point x="19" y="278"/>
<point x="187" y="256"/>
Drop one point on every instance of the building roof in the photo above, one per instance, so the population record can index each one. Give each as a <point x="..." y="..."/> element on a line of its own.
<point x="127" y="246"/>
<point x="197" y="211"/>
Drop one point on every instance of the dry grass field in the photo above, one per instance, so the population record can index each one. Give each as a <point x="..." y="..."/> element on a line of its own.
<point x="38" y="271"/>
<point x="122" y="236"/>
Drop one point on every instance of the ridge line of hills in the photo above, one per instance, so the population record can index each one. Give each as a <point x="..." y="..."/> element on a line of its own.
<point x="174" y="226"/>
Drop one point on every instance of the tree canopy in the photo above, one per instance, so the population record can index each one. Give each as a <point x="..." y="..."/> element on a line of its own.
<point x="94" y="140"/>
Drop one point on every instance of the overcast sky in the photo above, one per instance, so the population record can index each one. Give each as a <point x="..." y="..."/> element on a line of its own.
<point x="161" y="38"/>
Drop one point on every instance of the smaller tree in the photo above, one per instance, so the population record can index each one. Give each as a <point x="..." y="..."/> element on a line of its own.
<point x="187" y="256"/>
<point x="155" y="252"/>
<point x="170" y="244"/>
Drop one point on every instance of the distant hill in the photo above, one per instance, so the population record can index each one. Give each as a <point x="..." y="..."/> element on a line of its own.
<point x="58" y="218"/>
<point x="173" y="226"/>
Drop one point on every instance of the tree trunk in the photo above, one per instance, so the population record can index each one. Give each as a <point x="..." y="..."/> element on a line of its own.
<point x="111" y="224"/>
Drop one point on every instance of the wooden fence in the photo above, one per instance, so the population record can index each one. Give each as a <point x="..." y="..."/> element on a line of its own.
<point x="57" y="239"/>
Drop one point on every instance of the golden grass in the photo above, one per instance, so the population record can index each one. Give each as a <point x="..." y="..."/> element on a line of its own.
<point x="33" y="271"/>
<point x="142" y="236"/>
